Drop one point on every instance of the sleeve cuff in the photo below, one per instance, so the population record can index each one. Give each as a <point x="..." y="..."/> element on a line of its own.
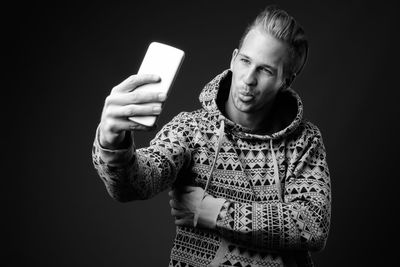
<point x="114" y="157"/>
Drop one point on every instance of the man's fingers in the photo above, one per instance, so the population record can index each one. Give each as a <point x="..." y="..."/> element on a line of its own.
<point x="145" y="96"/>
<point x="177" y="213"/>
<point x="172" y="203"/>
<point x="174" y="194"/>
<point x="176" y="205"/>
<point x="184" y="218"/>
<point x="135" y="97"/>
<point x="181" y="222"/>
<point x="149" y="109"/>
<point x="115" y="119"/>
<point x="117" y="125"/>
<point x="134" y="81"/>
<point x="180" y="190"/>
<point x="185" y="222"/>
<point x="189" y="188"/>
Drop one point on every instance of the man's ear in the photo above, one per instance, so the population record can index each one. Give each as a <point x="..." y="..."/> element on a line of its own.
<point x="234" y="54"/>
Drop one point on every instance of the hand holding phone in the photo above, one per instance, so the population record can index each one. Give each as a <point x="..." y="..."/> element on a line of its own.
<point x="164" y="61"/>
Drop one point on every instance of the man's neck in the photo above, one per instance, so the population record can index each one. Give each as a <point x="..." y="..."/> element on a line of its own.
<point x="260" y="122"/>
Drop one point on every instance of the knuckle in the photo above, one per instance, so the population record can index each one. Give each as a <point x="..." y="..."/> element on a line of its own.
<point x="129" y="111"/>
<point x="106" y="113"/>
<point x="135" y="78"/>
<point x="108" y="100"/>
<point x="115" y="88"/>
<point x="109" y="112"/>
<point x="108" y="125"/>
<point x="135" y="96"/>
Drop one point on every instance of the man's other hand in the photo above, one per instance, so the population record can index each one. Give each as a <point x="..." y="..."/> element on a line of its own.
<point x="185" y="204"/>
<point x="191" y="206"/>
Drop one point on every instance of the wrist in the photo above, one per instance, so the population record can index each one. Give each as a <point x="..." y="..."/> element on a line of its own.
<point x="209" y="210"/>
<point x="113" y="141"/>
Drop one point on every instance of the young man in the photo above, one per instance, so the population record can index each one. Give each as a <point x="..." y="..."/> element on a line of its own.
<point x="249" y="177"/>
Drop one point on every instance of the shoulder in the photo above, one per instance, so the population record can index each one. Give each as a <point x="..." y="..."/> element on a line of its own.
<point x="306" y="132"/>
<point x="310" y="129"/>
<point x="305" y="144"/>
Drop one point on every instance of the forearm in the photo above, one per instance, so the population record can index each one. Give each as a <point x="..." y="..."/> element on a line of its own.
<point x="131" y="174"/>
<point x="115" y="168"/>
<point x="298" y="226"/>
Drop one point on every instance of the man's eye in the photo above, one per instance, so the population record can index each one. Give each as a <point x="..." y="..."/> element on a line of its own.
<point x="245" y="61"/>
<point x="268" y="71"/>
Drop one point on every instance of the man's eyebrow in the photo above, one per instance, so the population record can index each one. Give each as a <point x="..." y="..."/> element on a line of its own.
<point x="275" y="69"/>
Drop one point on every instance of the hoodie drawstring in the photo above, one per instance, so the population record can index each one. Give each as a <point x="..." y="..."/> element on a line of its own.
<point x="221" y="131"/>
<point x="276" y="170"/>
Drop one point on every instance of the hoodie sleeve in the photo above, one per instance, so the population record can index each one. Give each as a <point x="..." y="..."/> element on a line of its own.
<point x="131" y="174"/>
<point x="301" y="221"/>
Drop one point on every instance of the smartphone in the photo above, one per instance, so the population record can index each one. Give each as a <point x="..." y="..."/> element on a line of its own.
<point x="164" y="61"/>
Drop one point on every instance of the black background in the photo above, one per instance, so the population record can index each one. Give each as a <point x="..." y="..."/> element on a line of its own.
<point x="66" y="57"/>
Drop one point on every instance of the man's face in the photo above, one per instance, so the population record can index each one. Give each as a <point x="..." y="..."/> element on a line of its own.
<point x="256" y="73"/>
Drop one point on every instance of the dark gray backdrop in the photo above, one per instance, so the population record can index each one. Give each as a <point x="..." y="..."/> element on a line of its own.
<point x="70" y="55"/>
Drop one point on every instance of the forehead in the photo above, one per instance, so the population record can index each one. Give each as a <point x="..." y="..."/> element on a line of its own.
<point x="263" y="48"/>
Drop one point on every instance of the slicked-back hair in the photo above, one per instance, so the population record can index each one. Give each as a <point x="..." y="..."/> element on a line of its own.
<point x="284" y="27"/>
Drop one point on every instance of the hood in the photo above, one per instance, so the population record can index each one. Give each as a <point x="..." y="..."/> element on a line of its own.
<point x="287" y="112"/>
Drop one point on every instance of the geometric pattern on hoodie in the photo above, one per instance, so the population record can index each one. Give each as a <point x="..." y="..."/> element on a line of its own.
<point x="257" y="225"/>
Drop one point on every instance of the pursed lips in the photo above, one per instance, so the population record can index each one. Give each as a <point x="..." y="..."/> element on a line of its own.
<point x="245" y="95"/>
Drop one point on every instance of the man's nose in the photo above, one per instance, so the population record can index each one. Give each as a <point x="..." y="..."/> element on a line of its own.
<point x="250" y="77"/>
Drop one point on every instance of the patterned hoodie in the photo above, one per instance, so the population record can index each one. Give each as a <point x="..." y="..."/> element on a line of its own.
<point x="276" y="188"/>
